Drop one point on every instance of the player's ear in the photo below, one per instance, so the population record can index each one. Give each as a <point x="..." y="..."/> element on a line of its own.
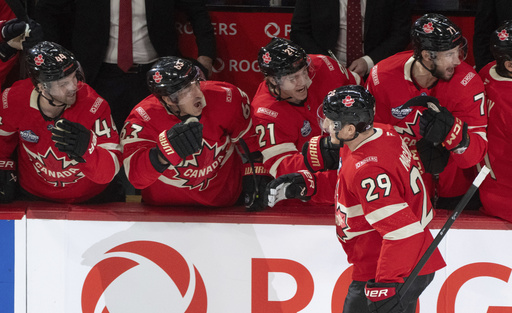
<point x="425" y="55"/>
<point x="508" y="65"/>
<point x="272" y="80"/>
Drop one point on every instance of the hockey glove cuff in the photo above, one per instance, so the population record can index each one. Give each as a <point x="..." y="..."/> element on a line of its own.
<point x="301" y="185"/>
<point x="8" y="180"/>
<point x="254" y="185"/>
<point x="73" y="139"/>
<point x="382" y="297"/>
<point x="321" y="154"/>
<point x="182" y="140"/>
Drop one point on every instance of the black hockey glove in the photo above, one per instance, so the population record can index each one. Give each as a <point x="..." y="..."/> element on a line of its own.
<point x="433" y="157"/>
<point x="301" y="185"/>
<point x="382" y="297"/>
<point x="7" y="181"/>
<point x="73" y="139"/>
<point x="321" y="154"/>
<point x="181" y="140"/>
<point x="438" y="125"/>
<point x="11" y="30"/>
<point x="34" y="36"/>
<point x="254" y="185"/>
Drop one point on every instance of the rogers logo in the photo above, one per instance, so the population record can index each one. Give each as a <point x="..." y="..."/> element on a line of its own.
<point x="273" y="30"/>
<point x="143" y="276"/>
<point x="219" y="65"/>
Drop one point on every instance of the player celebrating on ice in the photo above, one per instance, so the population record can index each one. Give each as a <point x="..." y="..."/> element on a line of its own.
<point x="67" y="147"/>
<point x="382" y="207"/>
<point x="179" y="143"/>
<point x="285" y="104"/>
<point x="450" y="137"/>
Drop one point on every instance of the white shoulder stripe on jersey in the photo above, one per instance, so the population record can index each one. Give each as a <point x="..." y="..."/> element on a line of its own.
<point x="385" y="212"/>
<point x="405" y="232"/>
<point x="5" y="134"/>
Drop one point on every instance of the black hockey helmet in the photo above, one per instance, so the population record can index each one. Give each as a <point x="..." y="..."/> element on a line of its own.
<point x="501" y="46"/>
<point x="350" y="104"/>
<point x="435" y="32"/>
<point x="281" y="57"/>
<point x="170" y="75"/>
<point x="48" y="62"/>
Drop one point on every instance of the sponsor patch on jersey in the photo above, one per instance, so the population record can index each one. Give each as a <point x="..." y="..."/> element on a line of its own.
<point x="268" y="112"/>
<point x="467" y="79"/>
<point x="96" y="105"/>
<point x="229" y="94"/>
<point x="327" y="62"/>
<point x="29" y="136"/>
<point x="375" y="76"/>
<point x="400" y="113"/>
<point x="4" y="98"/>
<point x="306" y="129"/>
<point x="143" y="114"/>
<point x="368" y="159"/>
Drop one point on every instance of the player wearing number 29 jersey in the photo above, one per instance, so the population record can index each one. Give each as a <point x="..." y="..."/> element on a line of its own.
<point x="383" y="209"/>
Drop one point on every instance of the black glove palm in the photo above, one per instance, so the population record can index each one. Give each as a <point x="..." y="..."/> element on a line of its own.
<point x="13" y="29"/>
<point x="433" y="157"/>
<point x="7" y="185"/>
<point x="254" y="185"/>
<point x="183" y="139"/>
<point x="71" y="138"/>
<point x="34" y="36"/>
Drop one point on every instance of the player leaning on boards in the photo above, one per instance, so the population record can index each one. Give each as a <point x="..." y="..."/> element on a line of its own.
<point x="179" y="143"/>
<point x="382" y="206"/>
<point x="450" y="140"/>
<point x="497" y="76"/>
<point x="285" y="104"/>
<point x="59" y="131"/>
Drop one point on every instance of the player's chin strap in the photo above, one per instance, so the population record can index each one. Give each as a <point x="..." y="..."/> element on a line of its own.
<point x="50" y="101"/>
<point x="432" y="71"/>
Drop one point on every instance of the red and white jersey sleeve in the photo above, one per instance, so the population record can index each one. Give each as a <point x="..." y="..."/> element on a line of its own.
<point x="210" y="177"/>
<point x="391" y="84"/>
<point x="43" y="170"/>
<point x="496" y="188"/>
<point x="383" y="209"/>
<point x="283" y="128"/>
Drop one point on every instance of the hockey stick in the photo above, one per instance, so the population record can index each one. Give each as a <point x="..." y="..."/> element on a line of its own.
<point x="458" y="209"/>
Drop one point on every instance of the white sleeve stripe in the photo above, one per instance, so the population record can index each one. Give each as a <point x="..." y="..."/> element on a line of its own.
<point x="4" y="133"/>
<point x="482" y="134"/>
<point x="405" y="232"/>
<point x="110" y="146"/>
<point x="278" y="149"/>
<point x="385" y="212"/>
<point x="116" y="162"/>
<point x="273" y="168"/>
<point x="242" y="133"/>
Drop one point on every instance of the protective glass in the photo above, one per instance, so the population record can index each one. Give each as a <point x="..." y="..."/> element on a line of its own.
<point x="65" y="87"/>
<point x="460" y="52"/>
<point x="327" y="125"/>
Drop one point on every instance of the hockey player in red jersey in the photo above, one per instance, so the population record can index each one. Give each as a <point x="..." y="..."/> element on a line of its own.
<point x="179" y="143"/>
<point x="285" y="104"/>
<point x="497" y="77"/>
<point x="58" y="131"/>
<point x="452" y="141"/>
<point x="382" y="206"/>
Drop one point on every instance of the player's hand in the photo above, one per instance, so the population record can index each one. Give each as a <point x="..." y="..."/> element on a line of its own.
<point x="254" y="185"/>
<point x="13" y="29"/>
<point x="382" y="297"/>
<point x="438" y="125"/>
<point x="34" y="36"/>
<point x="433" y="157"/>
<point x="181" y="140"/>
<point x="301" y="185"/>
<point x="321" y="154"/>
<point x="13" y="34"/>
<point x="73" y="139"/>
<point x="7" y="180"/>
<point x="359" y="67"/>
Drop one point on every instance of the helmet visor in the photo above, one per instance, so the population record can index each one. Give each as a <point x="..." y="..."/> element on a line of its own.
<point x="327" y="125"/>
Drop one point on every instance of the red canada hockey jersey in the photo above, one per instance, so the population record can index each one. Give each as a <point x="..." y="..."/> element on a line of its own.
<point x="210" y="177"/>
<point x="43" y="170"/>
<point x="383" y="209"/>
<point x="391" y="83"/>
<point x="496" y="188"/>
<point x="283" y="128"/>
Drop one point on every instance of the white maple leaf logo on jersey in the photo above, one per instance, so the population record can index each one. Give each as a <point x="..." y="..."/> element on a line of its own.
<point x="428" y="28"/>
<point x="503" y="35"/>
<point x="57" y="171"/>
